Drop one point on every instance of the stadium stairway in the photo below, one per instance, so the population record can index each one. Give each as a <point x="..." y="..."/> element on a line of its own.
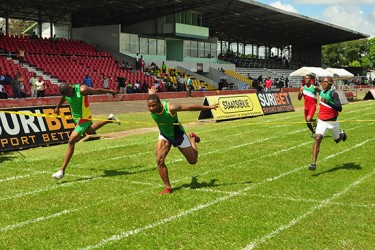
<point x="201" y="78"/>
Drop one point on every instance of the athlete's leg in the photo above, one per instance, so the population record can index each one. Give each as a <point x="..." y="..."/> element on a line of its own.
<point x="309" y="121"/>
<point x="309" y="114"/>
<point x="191" y="152"/>
<point x="74" y="137"/>
<point x="321" y="129"/>
<point x="162" y="150"/>
<point x="316" y="147"/>
<point x="96" y="126"/>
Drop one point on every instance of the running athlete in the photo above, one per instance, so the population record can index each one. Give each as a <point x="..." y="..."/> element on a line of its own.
<point x="329" y="109"/>
<point x="77" y="97"/>
<point x="171" y="132"/>
<point x="309" y="91"/>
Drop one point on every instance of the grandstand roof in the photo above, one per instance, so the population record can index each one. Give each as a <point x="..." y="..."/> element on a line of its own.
<point x="244" y="21"/>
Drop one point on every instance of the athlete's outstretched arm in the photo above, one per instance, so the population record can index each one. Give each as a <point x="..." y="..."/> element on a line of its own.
<point x="191" y="107"/>
<point x="91" y="91"/>
<point x="57" y="109"/>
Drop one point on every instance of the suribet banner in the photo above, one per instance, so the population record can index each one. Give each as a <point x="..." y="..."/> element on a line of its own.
<point x="34" y="126"/>
<point x="275" y="102"/>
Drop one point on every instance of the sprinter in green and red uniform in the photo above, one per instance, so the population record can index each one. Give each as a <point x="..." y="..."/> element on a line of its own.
<point x="77" y="97"/>
<point x="329" y="109"/>
<point x="309" y="91"/>
<point x="172" y="133"/>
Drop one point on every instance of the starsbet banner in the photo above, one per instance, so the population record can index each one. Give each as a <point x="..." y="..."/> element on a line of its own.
<point x="231" y="107"/>
<point x="34" y="126"/>
<point x="275" y="102"/>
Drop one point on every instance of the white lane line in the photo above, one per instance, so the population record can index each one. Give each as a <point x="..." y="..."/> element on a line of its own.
<point x="63" y="212"/>
<point x="297" y="199"/>
<point x="284" y="198"/>
<point x="322" y="204"/>
<point x="19" y="195"/>
<point x="125" y="234"/>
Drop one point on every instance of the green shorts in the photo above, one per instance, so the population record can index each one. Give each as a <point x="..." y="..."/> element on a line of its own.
<point x="82" y="126"/>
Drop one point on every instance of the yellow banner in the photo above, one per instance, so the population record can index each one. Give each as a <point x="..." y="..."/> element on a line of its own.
<point x="231" y="107"/>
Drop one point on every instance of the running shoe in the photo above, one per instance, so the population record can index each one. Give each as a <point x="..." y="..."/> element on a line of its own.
<point x="114" y="119"/>
<point x="58" y="175"/>
<point x="167" y="190"/>
<point x="196" y="138"/>
<point x="343" y="135"/>
<point x="312" y="166"/>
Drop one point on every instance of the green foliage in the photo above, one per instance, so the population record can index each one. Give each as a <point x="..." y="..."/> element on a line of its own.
<point x="346" y="53"/>
<point x="369" y="58"/>
<point x="355" y="63"/>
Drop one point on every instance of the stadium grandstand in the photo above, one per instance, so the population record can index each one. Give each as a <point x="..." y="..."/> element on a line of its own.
<point x="209" y="40"/>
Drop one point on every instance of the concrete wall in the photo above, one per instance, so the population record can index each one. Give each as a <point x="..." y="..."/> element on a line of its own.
<point x="108" y="37"/>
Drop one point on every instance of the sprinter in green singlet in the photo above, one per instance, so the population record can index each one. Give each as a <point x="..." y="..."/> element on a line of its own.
<point x="77" y="97"/>
<point x="172" y="133"/>
<point x="329" y="108"/>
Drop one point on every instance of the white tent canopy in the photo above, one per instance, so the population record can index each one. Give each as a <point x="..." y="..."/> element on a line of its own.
<point x="340" y="73"/>
<point x="317" y="71"/>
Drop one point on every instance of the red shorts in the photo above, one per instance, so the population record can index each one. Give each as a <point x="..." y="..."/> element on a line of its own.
<point x="310" y="112"/>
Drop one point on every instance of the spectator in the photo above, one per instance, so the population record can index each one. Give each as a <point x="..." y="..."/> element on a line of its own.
<point x="121" y="85"/>
<point x="142" y="64"/>
<point x="16" y="87"/>
<point x="286" y="82"/>
<point x="53" y="39"/>
<point x="2" y="78"/>
<point x="189" y="86"/>
<point x="180" y="83"/>
<point x="144" y="87"/>
<point x="268" y="84"/>
<point x="8" y="79"/>
<point x="168" y="84"/>
<point x="129" y="88"/>
<point x="163" y="68"/>
<point x="105" y="81"/>
<point x="34" y="35"/>
<point x="21" y="55"/>
<point x="157" y="85"/>
<point x="23" y="90"/>
<point x="39" y="87"/>
<point x="137" y="86"/>
<point x="3" y="95"/>
<point x="87" y="81"/>
<point x="122" y="65"/>
<point x="32" y="82"/>
<point x="137" y="61"/>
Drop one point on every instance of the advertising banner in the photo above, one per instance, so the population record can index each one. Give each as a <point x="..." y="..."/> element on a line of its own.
<point x="231" y="107"/>
<point x="34" y="126"/>
<point x="275" y="102"/>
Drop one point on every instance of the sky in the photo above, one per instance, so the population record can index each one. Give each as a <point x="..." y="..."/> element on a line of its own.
<point x="357" y="15"/>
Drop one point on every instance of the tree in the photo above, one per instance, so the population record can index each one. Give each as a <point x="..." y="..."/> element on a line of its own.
<point x="369" y="58"/>
<point x="345" y="53"/>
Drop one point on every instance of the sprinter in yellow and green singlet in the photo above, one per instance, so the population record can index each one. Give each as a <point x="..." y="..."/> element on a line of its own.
<point x="77" y="97"/>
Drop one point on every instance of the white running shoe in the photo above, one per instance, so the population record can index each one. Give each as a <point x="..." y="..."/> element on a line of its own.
<point x="58" y="175"/>
<point x="114" y="119"/>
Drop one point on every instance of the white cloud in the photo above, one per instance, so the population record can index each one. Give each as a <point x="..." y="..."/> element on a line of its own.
<point x="351" y="17"/>
<point x="286" y="7"/>
<point x="330" y="2"/>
